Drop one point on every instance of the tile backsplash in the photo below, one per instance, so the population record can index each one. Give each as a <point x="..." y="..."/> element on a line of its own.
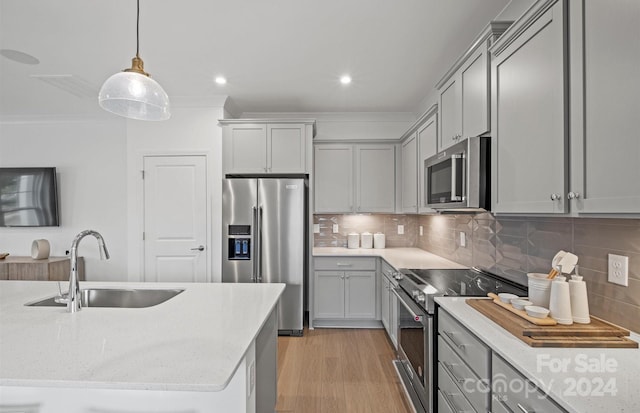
<point x="514" y="246"/>
<point x="385" y="223"/>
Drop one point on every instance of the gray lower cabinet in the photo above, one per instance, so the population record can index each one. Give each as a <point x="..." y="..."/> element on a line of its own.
<point x="473" y="378"/>
<point x="389" y="302"/>
<point x="512" y="392"/>
<point x="344" y="291"/>
<point x="463" y="368"/>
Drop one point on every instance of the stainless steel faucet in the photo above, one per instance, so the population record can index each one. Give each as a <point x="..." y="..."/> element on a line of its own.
<point x="73" y="297"/>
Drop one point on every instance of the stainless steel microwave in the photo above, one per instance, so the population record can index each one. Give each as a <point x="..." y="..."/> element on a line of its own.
<point x="458" y="178"/>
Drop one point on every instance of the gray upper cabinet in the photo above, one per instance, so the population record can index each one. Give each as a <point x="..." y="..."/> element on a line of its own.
<point x="529" y="137"/>
<point x="464" y="91"/>
<point x="375" y="178"/>
<point x="333" y="178"/>
<point x="427" y="147"/>
<point x="605" y="104"/>
<point x="354" y="178"/>
<point x="409" y="175"/>
<point x="565" y="104"/>
<point x="418" y="143"/>
<point x="266" y="146"/>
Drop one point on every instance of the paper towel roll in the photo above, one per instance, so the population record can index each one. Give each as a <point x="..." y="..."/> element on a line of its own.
<point x="366" y="240"/>
<point x="353" y="240"/>
<point x="378" y="240"/>
<point x="40" y="249"/>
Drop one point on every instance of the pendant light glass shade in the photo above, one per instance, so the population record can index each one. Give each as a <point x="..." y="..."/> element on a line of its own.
<point x="135" y="96"/>
<point x="132" y="93"/>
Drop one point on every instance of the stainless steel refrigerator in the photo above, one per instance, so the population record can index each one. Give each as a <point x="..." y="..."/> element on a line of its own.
<point x="264" y="224"/>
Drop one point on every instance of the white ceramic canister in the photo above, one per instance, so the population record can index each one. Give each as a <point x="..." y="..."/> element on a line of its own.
<point x="539" y="289"/>
<point x="40" y="249"/>
<point x="560" y="301"/>
<point x="366" y="240"/>
<point x="579" y="301"/>
<point x="378" y="240"/>
<point x="353" y="240"/>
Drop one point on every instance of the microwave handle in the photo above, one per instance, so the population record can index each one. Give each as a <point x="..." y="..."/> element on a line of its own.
<point x="454" y="175"/>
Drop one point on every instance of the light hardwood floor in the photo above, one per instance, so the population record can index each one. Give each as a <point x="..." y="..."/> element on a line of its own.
<point x="338" y="370"/>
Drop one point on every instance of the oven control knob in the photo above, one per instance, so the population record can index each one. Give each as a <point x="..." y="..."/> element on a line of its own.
<point x="398" y="275"/>
<point x="418" y="296"/>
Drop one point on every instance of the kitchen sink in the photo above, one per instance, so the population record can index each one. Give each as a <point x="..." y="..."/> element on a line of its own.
<point x="112" y="297"/>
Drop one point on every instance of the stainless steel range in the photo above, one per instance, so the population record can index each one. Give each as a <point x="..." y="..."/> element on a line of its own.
<point x="417" y="321"/>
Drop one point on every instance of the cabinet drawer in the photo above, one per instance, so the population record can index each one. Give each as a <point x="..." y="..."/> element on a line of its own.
<point x="454" y="399"/>
<point x="344" y="263"/>
<point x="451" y="367"/>
<point x="528" y="398"/>
<point x="387" y="270"/>
<point x="473" y="351"/>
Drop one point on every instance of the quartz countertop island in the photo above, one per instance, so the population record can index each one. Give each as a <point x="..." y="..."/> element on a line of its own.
<point x="193" y="342"/>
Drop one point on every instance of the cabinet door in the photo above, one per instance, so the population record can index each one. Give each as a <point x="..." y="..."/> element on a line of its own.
<point x="449" y="114"/>
<point x="333" y="178"/>
<point x="410" y="175"/>
<point x="528" y="120"/>
<point x="286" y="145"/>
<point x="605" y="106"/>
<point x="245" y="148"/>
<point x="360" y="294"/>
<point x="474" y="82"/>
<point x="427" y="147"/>
<point x="375" y="178"/>
<point x="384" y="304"/>
<point x="328" y="295"/>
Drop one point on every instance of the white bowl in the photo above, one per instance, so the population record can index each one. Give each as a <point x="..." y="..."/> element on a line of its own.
<point x="537" y="312"/>
<point x="507" y="297"/>
<point x="520" y="304"/>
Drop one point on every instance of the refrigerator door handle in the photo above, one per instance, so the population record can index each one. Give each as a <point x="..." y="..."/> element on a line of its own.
<point x="254" y="268"/>
<point x="259" y="247"/>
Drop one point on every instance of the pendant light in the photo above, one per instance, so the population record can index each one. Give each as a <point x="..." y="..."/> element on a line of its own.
<point x="132" y="93"/>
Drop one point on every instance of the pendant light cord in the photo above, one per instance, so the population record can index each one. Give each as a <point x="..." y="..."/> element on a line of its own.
<point x="138" y="30"/>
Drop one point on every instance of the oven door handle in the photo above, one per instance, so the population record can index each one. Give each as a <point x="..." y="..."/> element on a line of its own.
<point x="416" y="317"/>
<point x="455" y="160"/>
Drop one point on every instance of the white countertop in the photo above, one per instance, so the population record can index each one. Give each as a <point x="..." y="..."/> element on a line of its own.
<point x="192" y="342"/>
<point x="414" y="258"/>
<point x="543" y="365"/>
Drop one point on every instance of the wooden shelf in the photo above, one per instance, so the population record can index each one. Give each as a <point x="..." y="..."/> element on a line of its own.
<point x="50" y="269"/>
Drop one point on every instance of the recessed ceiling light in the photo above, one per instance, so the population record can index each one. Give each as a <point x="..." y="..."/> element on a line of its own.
<point x="221" y="80"/>
<point x="345" y="80"/>
<point x="18" y="56"/>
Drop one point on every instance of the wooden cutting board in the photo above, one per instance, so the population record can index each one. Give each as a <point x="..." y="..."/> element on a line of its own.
<point x="597" y="334"/>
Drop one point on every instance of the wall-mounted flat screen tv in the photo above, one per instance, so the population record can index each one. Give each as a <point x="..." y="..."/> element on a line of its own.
<point x="28" y="197"/>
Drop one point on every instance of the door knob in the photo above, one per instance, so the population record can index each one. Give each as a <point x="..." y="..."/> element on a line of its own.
<point x="200" y="248"/>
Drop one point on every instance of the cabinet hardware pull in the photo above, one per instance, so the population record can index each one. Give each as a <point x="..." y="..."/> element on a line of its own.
<point x="555" y="197"/>
<point x="455" y="343"/>
<point x="573" y="195"/>
<point x="524" y="409"/>
<point x="200" y="248"/>
<point x="449" y="368"/>
<point x="343" y="264"/>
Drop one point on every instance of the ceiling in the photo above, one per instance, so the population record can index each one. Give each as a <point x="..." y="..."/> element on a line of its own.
<point x="278" y="55"/>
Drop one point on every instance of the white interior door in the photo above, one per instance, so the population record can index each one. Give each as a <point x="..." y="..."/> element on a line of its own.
<point x="175" y="219"/>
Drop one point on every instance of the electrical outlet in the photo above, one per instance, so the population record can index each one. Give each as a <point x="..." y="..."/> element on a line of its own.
<point x="336" y="228"/>
<point x="619" y="269"/>
<point x="316" y="228"/>
<point x="463" y="239"/>
<point x="421" y="230"/>
<point x="400" y="229"/>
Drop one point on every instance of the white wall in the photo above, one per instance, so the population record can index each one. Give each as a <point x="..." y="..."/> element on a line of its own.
<point x="189" y="131"/>
<point x="514" y="9"/>
<point x="90" y="157"/>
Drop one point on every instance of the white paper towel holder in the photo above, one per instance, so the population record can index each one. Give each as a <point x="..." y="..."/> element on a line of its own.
<point x="40" y="249"/>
